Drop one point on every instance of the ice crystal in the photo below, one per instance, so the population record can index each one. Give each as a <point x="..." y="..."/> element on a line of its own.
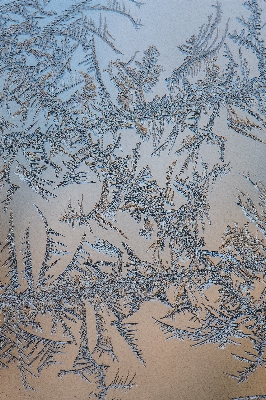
<point x="61" y="128"/>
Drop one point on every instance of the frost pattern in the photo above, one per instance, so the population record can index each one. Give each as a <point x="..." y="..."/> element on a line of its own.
<point x="56" y="104"/>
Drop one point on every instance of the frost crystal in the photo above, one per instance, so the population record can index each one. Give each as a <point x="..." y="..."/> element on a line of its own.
<point x="61" y="127"/>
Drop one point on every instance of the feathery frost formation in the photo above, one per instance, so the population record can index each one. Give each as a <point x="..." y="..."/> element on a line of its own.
<point x="61" y="127"/>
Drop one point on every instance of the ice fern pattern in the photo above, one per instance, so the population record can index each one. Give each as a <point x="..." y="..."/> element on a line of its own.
<point x="63" y="129"/>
